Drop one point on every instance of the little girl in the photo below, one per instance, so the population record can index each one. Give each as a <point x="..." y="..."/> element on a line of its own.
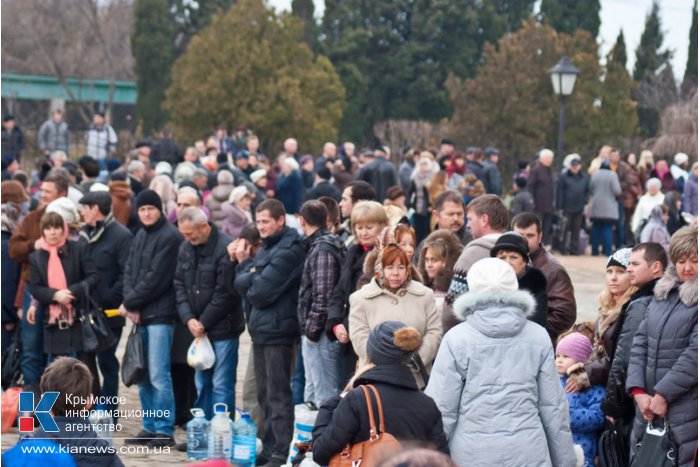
<point x="584" y="407"/>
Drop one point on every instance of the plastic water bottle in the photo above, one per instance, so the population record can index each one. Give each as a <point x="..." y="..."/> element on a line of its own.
<point x="220" y="433"/>
<point x="244" y="441"/>
<point x="197" y="435"/>
<point x="102" y="423"/>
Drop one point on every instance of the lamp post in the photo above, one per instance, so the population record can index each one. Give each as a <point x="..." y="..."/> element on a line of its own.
<point x="563" y="76"/>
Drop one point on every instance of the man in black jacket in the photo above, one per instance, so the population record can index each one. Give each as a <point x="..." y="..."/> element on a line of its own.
<point x="149" y="300"/>
<point x="323" y="186"/>
<point x="647" y="264"/>
<point x="270" y="283"/>
<point x="208" y="305"/>
<point x="572" y="196"/>
<point x="381" y="173"/>
<point x="108" y="245"/>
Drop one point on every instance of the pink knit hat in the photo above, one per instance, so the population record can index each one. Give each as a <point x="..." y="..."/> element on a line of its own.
<point x="576" y="346"/>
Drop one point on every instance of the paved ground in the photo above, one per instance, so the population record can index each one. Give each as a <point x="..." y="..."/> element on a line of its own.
<point x="587" y="274"/>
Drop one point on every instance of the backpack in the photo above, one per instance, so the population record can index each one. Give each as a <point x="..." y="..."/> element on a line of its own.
<point x="379" y="445"/>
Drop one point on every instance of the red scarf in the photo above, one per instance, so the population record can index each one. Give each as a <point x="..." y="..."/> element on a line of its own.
<point x="57" y="279"/>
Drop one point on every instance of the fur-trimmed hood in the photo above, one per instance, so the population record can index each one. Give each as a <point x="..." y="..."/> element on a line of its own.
<point x="454" y="249"/>
<point x="687" y="291"/>
<point x="496" y="314"/>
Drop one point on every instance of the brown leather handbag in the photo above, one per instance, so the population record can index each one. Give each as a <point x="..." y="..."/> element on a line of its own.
<point x="379" y="445"/>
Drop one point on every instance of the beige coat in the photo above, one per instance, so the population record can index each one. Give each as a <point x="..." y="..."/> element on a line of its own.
<point x="372" y="305"/>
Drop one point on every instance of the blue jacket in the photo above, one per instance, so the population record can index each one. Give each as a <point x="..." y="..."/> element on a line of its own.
<point x="586" y="418"/>
<point x="290" y="190"/>
<point x="272" y="289"/>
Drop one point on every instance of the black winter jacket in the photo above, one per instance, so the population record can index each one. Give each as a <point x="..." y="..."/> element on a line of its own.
<point x="108" y="246"/>
<point x="321" y="274"/>
<point x="572" y="192"/>
<point x="381" y="174"/>
<point x="617" y="403"/>
<point x="272" y="289"/>
<point x="77" y="433"/>
<point x="79" y="270"/>
<point x="522" y="202"/>
<point x="323" y="188"/>
<point x="12" y="142"/>
<point x="339" y="308"/>
<point x="150" y="269"/>
<point x="409" y="415"/>
<point x="535" y="282"/>
<point x="203" y="279"/>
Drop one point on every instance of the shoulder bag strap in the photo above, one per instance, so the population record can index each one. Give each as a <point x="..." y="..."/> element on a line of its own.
<point x="372" y="424"/>
<point x="379" y="408"/>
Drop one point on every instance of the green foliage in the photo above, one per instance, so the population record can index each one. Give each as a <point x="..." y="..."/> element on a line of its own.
<point x="395" y="55"/>
<point x="262" y="75"/>
<point x="650" y="57"/>
<point x="191" y="17"/>
<point x="304" y="10"/>
<point x="618" y="54"/>
<point x="152" y="48"/>
<point x="691" y="67"/>
<point x="569" y="15"/>
<point x="510" y="103"/>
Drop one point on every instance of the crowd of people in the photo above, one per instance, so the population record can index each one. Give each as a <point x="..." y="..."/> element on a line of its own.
<point x="424" y="280"/>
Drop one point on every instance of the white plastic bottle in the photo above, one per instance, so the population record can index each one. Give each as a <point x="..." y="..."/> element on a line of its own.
<point x="220" y="433"/>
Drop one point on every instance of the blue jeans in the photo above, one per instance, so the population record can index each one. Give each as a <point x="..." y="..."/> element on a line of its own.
<point x="156" y="391"/>
<point x="32" y="359"/>
<point x="298" y="378"/>
<point x="109" y="367"/>
<point x="218" y="384"/>
<point x="602" y="232"/>
<point x="620" y="234"/>
<point x="320" y="360"/>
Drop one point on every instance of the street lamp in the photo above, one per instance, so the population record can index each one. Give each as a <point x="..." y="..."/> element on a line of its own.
<point x="563" y="76"/>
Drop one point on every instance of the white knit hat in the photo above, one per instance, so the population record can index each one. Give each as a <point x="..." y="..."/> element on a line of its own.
<point x="257" y="175"/>
<point x="164" y="167"/>
<point x="237" y="194"/>
<point x="491" y="275"/>
<point x="99" y="187"/>
<point x="66" y="209"/>
<point x="680" y="158"/>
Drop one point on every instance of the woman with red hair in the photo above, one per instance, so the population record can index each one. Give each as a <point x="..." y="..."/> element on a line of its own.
<point x="392" y="295"/>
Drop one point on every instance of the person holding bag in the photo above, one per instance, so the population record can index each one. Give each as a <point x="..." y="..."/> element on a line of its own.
<point x="60" y="270"/>
<point x="408" y="414"/>
<point x="663" y="369"/>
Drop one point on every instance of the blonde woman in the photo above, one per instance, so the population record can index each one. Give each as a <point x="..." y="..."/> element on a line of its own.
<point x="163" y="185"/>
<point x="617" y="292"/>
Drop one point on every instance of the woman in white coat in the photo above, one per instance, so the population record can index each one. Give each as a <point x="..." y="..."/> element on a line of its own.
<point x="494" y="379"/>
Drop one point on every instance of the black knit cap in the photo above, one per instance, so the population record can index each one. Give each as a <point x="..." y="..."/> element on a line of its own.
<point x="149" y="198"/>
<point x="392" y="342"/>
<point x="511" y="241"/>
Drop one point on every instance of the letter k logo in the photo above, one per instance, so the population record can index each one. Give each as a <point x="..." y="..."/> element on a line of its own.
<point x="26" y="404"/>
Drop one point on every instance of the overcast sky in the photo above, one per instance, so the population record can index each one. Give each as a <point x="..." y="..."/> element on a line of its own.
<point x="676" y="17"/>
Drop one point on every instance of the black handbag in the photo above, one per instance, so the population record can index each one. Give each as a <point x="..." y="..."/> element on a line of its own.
<point x="613" y="446"/>
<point x="96" y="334"/>
<point x="11" y="371"/>
<point x="134" y="362"/>
<point x="655" y="448"/>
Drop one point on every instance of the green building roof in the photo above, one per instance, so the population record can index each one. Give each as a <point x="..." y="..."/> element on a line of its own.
<point x="34" y="87"/>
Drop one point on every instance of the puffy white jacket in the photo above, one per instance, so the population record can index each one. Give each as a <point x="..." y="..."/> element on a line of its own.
<point x="496" y="386"/>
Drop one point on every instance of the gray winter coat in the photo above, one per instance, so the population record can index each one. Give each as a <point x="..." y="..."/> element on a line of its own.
<point x="215" y="201"/>
<point x="54" y="136"/>
<point x="605" y="188"/>
<point x="664" y="360"/>
<point x="495" y="384"/>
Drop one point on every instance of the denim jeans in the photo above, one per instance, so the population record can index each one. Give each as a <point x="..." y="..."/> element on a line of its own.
<point x="109" y="367"/>
<point x="218" y="384"/>
<point x="298" y="377"/>
<point x="156" y="391"/>
<point x="32" y="359"/>
<point x="620" y="231"/>
<point x="273" y="365"/>
<point x="602" y="233"/>
<point x="320" y="364"/>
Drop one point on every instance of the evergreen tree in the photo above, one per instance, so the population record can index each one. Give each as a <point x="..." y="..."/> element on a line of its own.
<point x="650" y="57"/>
<point x="395" y="55"/>
<point x="618" y="53"/>
<point x="152" y="47"/>
<point x="304" y="10"/>
<point x="569" y="15"/>
<point x="262" y="74"/>
<point x="691" y="67"/>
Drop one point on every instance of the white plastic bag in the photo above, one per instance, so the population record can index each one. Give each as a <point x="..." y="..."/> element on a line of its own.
<point x="200" y="355"/>
<point x="304" y="421"/>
